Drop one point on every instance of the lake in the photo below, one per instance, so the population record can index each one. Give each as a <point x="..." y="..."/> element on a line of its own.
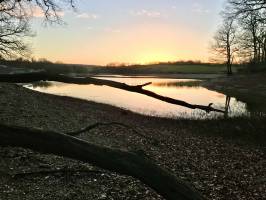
<point x="188" y="90"/>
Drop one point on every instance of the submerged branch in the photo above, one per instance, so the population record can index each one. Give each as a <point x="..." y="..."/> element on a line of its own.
<point x="43" y="76"/>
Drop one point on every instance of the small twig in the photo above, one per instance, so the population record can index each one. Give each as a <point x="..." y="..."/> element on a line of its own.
<point x="56" y="171"/>
<point x="143" y="85"/>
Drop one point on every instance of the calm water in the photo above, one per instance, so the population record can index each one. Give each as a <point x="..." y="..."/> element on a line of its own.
<point x="146" y="105"/>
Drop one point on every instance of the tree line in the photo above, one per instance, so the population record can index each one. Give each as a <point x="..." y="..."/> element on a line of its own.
<point x="242" y="35"/>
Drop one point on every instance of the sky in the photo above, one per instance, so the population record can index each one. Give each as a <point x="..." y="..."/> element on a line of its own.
<point x="129" y="31"/>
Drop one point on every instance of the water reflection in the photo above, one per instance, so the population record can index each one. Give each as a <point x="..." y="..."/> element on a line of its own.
<point x="227" y="106"/>
<point x="182" y="89"/>
<point x="193" y="83"/>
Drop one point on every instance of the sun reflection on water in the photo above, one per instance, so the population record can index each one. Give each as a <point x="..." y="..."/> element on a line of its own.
<point x="174" y="88"/>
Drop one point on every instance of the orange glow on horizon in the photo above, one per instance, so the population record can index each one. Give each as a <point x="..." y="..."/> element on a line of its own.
<point x="137" y="44"/>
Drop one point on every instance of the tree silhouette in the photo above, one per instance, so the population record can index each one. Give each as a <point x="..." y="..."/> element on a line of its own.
<point x="241" y="7"/>
<point x="249" y="18"/>
<point x="14" y="27"/>
<point x="14" y="22"/>
<point x="50" y="8"/>
<point x="225" y="44"/>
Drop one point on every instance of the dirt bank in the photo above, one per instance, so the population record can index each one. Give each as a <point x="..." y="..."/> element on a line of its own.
<point x="249" y="88"/>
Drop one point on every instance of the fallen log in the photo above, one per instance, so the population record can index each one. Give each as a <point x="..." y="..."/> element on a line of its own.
<point x="122" y="162"/>
<point x="43" y="76"/>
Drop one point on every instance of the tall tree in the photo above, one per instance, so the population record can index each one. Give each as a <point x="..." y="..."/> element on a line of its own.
<point x="250" y="16"/>
<point x="250" y="25"/>
<point x="225" y="44"/>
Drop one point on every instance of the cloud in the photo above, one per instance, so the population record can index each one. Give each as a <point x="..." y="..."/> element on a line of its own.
<point x="197" y="8"/>
<point x="174" y="7"/>
<point x="146" y="13"/>
<point x="87" y="16"/>
<point x="112" y="30"/>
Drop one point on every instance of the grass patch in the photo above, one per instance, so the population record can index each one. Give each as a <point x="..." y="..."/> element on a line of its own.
<point x="187" y="69"/>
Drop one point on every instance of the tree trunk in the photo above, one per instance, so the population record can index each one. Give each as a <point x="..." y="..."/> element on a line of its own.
<point x="263" y="57"/>
<point x="123" y="162"/>
<point x="254" y="37"/>
<point x="229" y="54"/>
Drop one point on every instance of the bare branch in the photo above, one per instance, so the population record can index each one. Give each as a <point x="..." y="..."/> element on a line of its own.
<point x="43" y="76"/>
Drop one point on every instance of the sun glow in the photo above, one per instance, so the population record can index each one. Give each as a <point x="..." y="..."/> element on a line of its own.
<point x="155" y="57"/>
<point x="139" y="43"/>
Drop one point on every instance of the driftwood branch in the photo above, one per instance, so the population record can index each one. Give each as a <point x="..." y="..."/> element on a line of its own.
<point x="43" y="76"/>
<point x="99" y="124"/>
<point x="115" y="160"/>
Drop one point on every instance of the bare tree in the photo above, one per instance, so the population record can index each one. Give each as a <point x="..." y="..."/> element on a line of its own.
<point x="250" y="28"/>
<point x="241" y="7"/>
<point x="14" y="22"/>
<point x="50" y="8"/>
<point x="250" y="17"/>
<point x="225" y="43"/>
<point x="14" y="28"/>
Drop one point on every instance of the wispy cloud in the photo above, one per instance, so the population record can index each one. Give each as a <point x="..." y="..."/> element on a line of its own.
<point x="107" y="29"/>
<point x="112" y="30"/>
<point x="174" y="7"/>
<point x="88" y="16"/>
<point x="146" y="13"/>
<point x="197" y="8"/>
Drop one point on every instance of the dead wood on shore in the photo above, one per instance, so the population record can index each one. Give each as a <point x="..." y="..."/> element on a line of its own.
<point x="99" y="124"/>
<point x="123" y="162"/>
<point x="43" y="76"/>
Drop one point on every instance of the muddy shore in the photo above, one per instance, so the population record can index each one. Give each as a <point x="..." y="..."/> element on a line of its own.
<point x="210" y="155"/>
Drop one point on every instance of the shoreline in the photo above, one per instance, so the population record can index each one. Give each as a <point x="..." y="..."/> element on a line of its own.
<point x="163" y="76"/>
<point x="216" y="165"/>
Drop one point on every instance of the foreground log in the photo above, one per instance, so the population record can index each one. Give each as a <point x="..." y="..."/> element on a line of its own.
<point x="123" y="162"/>
<point x="43" y="76"/>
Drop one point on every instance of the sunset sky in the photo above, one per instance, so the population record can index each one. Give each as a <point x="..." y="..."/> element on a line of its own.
<point x="129" y="31"/>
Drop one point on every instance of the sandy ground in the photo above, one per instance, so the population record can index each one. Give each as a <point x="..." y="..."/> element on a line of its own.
<point x="218" y="167"/>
